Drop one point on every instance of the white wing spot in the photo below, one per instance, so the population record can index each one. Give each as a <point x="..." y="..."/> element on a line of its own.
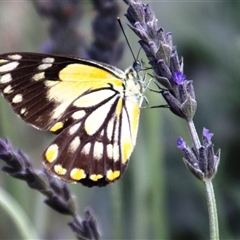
<point x="102" y="133"/>
<point x="98" y="150"/>
<point x="23" y="110"/>
<point x="9" y="66"/>
<point x="93" y="98"/>
<point x="75" y="143"/>
<point x="17" y="98"/>
<point x="86" y="149"/>
<point x="48" y="60"/>
<point x="110" y="129"/>
<point x="8" y="89"/>
<point x="78" y="114"/>
<point x="110" y="151"/>
<point x="113" y="151"/>
<point x="44" y="66"/>
<point x="38" y="76"/>
<point x="116" y="133"/>
<point x="5" y="78"/>
<point x="15" y="57"/>
<point x="74" y="128"/>
<point x="95" y="120"/>
<point x="50" y="83"/>
<point x="3" y="60"/>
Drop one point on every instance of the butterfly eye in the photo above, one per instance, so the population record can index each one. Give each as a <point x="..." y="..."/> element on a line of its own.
<point x="137" y="66"/>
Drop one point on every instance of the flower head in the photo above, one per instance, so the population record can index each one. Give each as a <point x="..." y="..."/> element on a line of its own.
<point x="201" y="161"/>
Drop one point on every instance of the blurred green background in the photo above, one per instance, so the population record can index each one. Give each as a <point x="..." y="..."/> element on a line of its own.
<point x="158" y="198"/>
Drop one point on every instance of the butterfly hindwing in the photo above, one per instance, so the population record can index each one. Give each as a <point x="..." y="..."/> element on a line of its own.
<point x="84" y="150"/>
<point x="84" y="103"/>
<point x="93" y="157"/>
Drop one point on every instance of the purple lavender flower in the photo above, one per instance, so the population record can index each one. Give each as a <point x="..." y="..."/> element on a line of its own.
<point x="202" y="161"/>
<point x="179" y="78"/>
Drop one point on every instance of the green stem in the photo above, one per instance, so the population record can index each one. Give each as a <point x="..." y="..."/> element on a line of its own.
<point x="18" y="215"/>
<point x="212" y="210"/>
<point x="194" y="134"/>
<point x="211" y="202"/>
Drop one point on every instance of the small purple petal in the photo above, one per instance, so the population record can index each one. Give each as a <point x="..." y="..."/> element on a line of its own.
<point x="207" y="134"/>
<point x="181" y="144"/>
<point x="179" y="78"/>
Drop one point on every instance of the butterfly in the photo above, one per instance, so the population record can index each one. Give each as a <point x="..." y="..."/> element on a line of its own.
<point x="92" y="107"/>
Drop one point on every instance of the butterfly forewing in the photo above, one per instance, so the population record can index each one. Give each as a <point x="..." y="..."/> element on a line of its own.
<point x="84" y="103"/>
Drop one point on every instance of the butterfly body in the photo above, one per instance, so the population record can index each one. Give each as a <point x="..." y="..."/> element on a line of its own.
<point x="92" y="107"/>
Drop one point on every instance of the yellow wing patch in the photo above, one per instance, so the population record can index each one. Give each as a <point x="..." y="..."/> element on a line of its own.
<point x="52" y="153"/>
<point x="77" y="174"/>
<point x="112" y="175"/>
<point x="57" y="126"/>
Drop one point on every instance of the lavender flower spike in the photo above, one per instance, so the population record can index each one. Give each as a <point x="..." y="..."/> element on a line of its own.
<point x="202" y="162"/>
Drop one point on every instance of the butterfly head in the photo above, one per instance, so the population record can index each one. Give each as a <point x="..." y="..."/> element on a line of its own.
<point x="135" y="82"/>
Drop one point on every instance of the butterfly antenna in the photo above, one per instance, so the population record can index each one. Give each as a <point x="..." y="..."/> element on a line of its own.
<point x="120" y="24"/>
<point x="139" y="52"/>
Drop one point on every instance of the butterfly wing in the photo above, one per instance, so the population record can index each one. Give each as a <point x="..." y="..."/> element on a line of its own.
<point x="83" y="102"/>
<point x="96" y="147"/>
